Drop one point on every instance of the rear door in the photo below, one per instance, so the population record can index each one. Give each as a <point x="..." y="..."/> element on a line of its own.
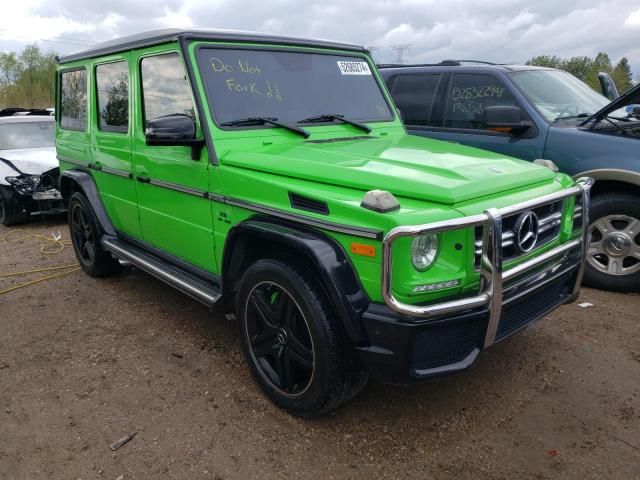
<point x="175" y="213"/>
<point x="111" y="135"/>
<point x="462" y="103"/>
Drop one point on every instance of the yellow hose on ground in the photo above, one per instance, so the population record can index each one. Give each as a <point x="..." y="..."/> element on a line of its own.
<point x="38" y="280"/>
<point x="50" y="245"/>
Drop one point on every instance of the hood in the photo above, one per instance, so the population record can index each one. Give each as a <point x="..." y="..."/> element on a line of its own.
<point x="407" y="166"/>
<point x="631" y="96"/>
<point x="33" y="161"/>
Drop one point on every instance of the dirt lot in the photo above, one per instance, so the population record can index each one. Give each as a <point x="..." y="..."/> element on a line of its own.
<point x="84" y="362"/>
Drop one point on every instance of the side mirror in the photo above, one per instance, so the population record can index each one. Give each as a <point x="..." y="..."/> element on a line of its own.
<point x="505" y="119"/>
<point x="174" y="130"/>
<point x="635" y="111"/>
<point x="607" y="86"/>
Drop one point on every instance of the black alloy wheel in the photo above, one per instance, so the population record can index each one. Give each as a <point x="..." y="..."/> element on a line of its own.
<point x="85" y="236"/>
<point x="279" y="338"/>
<point x="82" y="234"/>
<point x="295" y="345"/>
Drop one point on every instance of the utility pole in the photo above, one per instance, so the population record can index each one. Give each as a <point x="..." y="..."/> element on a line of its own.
<point x="401" y="49"/>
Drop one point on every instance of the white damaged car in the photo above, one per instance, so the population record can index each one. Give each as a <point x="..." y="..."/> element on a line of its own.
<point x="29" y="170"/>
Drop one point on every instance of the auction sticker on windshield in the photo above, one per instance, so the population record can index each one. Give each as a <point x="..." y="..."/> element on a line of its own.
<point x="354" y="68"/>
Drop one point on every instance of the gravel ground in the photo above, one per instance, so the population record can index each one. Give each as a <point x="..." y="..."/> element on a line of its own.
<point x="85" y="361"/>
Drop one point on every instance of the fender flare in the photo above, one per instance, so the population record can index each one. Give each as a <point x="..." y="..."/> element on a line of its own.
<point x="614" y="174"/>
<point x="85" y="183"/>
<point x="330" y="262"/>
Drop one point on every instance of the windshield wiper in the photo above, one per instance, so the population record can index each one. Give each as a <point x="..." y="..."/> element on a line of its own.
<point x="339" y="118"/>
<point x="265" y="120"/>
<point x="608" y="119"/>
<point x="580" y="115"/>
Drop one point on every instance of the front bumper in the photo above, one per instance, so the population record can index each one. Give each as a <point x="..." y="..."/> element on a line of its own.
<point x="411" y="342"/>
<point x="49" y="202"/>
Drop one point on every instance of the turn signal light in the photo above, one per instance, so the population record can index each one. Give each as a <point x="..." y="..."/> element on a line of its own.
<point x="364" y="250"/>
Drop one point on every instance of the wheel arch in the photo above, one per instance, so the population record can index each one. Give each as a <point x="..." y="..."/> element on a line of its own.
<point x="612" y="180"/>
<point x="263" y="237"/>
<point x="80" y="181"/>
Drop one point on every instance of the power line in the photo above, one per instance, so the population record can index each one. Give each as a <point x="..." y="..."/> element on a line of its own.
<point x="401" y="49"/>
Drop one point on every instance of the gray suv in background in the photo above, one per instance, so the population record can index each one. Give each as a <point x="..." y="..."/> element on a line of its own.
<point x="541" y="113"/>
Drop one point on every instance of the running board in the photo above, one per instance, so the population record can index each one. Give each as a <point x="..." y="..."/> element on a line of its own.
<point x="184" y="281"/>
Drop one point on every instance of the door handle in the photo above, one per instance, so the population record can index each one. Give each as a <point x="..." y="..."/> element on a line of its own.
<point x="143" y="179"/>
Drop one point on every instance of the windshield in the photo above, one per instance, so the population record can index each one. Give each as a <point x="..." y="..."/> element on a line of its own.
<point x="558" y="94"/>
<point x="289" y="86"/>
<point x="26" y="135"/>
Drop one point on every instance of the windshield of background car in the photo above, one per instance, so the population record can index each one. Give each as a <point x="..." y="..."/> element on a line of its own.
<point x="558" y="94"/>
<point x="26" y="135"/>
<point x="290" y="86"/>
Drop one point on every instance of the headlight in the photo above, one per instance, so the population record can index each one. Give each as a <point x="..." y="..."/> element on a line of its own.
<point x="423" y="251"/>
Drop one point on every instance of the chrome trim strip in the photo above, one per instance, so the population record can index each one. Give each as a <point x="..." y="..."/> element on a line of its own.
<point x="491" y="288"/>
<point x="117" y="172"/>
<point x="179" y="188"/>
<point x="163" y="275"/>
<point x="324" y="224"/>
<point x="71" y="160"/>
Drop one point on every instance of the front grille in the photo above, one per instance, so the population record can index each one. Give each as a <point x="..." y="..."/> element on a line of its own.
<point x="443" y="345"/>
<point x="549" y="218"/>
<point x="520" y="313"/>
<point x="577" y="213"/>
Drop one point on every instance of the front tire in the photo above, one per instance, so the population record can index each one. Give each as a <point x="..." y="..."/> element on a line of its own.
<point x="295" y="344"/>
<point x="613" y="260"/>
<point x="85" y="236"/>
<point x="11" y="212"/>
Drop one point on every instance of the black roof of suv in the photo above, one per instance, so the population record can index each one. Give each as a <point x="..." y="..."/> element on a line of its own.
<point x="446" y="64"/>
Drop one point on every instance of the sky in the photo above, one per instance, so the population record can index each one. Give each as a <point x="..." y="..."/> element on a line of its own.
<point x="433" y="30"/>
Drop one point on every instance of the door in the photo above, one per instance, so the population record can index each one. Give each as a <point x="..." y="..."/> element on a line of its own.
<point x="175" y="214"/>
<point x="111" y="140"/>
<point x="465" y="98"/>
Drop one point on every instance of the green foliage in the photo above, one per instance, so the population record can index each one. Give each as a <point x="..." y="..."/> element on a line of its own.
<point x="28" y="79"/>
<point x="622" y="76"/>
<point x="587" y="69"/>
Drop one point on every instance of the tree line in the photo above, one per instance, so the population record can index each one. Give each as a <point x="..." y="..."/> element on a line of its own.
<point x="28" y="79"/>
<point x="587" y="69"/>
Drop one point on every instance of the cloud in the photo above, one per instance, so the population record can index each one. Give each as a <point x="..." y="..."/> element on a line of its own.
<point x="633" y="20"/>
<point x="494" y="30"/>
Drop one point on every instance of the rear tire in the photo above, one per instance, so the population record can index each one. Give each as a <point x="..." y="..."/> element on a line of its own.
<point x="613" y="260"/>
<point x="85" y="236"/>
<point x="295" y="345"/>
<point x="11" y="212"/>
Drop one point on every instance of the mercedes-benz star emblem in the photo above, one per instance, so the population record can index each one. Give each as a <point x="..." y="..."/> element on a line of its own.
<point x="526" y="232"/>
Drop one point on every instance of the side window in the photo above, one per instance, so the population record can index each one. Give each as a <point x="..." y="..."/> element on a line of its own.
<point x="165" y="87"/>
<point x="73" y="100"/>
<point x="415" y="95"/>
<point x="468" y="97"/>
<point x="112" y="85"/>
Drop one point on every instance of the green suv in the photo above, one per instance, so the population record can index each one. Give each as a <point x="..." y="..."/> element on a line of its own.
<point x="272" y="176"/>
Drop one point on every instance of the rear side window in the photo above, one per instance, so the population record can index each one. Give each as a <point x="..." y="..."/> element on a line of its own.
<point x="415" y="95"/>
<point x="112" y="82"/>
<point x="469" y="95"/>
<point x="73" y="100"/>
<point x="165" y="87"/>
